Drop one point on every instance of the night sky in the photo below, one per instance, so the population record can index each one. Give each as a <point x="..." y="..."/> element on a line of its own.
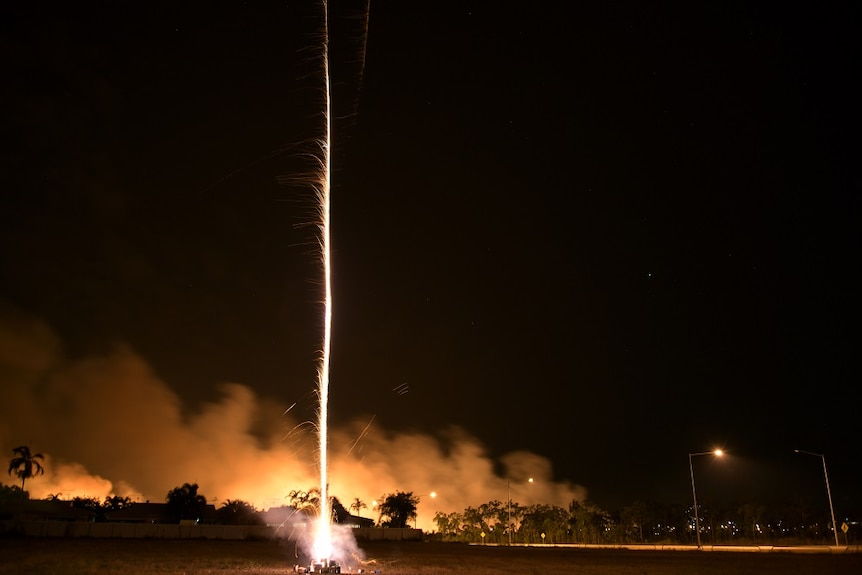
<point x="600" y="237"/>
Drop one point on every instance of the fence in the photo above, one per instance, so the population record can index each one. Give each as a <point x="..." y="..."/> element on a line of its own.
<point x="73" y="529"/>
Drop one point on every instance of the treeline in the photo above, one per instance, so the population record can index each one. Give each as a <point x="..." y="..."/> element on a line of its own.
<point x="181" y="503"/>
<point x="585" y="522"/>
<point x="497" y="522"/>
<point x="185" y="503"/>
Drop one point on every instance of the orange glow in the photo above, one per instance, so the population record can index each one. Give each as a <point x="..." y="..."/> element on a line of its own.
<point x="190" y="443"/>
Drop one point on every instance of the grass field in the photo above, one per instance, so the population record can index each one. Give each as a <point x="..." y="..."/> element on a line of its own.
<point x="35" y="556"/>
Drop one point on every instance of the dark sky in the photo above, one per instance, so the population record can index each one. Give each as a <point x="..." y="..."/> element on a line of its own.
<point x="607" y="235"/>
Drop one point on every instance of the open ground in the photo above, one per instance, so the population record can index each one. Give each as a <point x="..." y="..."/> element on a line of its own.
<point x="37" y="556"/>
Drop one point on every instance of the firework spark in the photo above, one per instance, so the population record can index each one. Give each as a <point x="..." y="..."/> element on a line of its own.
<point x="322" y="547"/>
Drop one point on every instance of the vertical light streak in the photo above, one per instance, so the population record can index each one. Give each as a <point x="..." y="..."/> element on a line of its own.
<point x="322" y="547"/>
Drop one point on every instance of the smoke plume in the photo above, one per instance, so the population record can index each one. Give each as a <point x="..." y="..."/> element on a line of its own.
<point x="108" y="425"/>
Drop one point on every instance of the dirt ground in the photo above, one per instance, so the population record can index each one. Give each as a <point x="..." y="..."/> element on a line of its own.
<point x="35" y="556"/>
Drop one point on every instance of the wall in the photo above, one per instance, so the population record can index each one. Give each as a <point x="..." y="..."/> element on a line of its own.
<point x="171" y="531"/>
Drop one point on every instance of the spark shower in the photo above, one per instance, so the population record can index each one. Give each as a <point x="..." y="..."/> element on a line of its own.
<point x="322" y="544"/>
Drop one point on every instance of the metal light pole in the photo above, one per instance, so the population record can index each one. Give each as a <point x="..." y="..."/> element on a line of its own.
<point x="509" y="503"/>
<point x="717" y="453"/>
<point x="828" y="491"/>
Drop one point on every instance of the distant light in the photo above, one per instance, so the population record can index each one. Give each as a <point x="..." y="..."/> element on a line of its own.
<point x="433" y="494"/>
<point x="530" y="480"/>
<point x="718" y="452"/>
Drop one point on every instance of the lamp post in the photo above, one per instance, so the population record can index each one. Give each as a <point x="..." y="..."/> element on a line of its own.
<point x="717" y="453"/>
<point x="509" y="506"/>
<point x="828" y="491"/>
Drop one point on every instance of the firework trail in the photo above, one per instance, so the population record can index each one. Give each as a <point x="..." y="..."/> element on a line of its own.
<point x="363" y="50"/>
<point x="323" y="538"/>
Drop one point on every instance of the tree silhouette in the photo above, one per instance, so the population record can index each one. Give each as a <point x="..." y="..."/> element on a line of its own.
<point x="25" y="464"/>
<point x="398" y="508"/>
<point x="88" y="503"/>
<point x="358" y="505"/>
<point x="305" y="501"/>
<point x="237" y="512"/>
<point x="10" y="494"/>
<point x="185" y="502"/>
<point x="116" y="503"/>
<point x="340" y="514"/>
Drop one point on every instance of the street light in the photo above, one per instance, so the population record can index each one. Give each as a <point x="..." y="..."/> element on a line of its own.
<point x="509" y="506"/>
<point x="828" y="492"/>
<point x="717" y="453"/>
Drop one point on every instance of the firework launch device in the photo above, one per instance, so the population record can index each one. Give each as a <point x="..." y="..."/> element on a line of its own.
<point x="319" y="566"/>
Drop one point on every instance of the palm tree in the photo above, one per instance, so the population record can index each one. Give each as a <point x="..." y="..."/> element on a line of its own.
<point x="306" y="501"/>
<point x="358" y="505"/>
<point x="185" y="503"/>
<point x="25" y="464"/>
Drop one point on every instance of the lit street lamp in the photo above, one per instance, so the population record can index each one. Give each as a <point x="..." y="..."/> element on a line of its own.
<point x="828" y="492"/>
<point x="509" y="506"/>
<point x="717" y="453"/>
<point x="509" y="503"/>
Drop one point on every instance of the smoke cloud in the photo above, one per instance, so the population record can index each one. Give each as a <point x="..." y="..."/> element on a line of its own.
<point x="108" y="425"/>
